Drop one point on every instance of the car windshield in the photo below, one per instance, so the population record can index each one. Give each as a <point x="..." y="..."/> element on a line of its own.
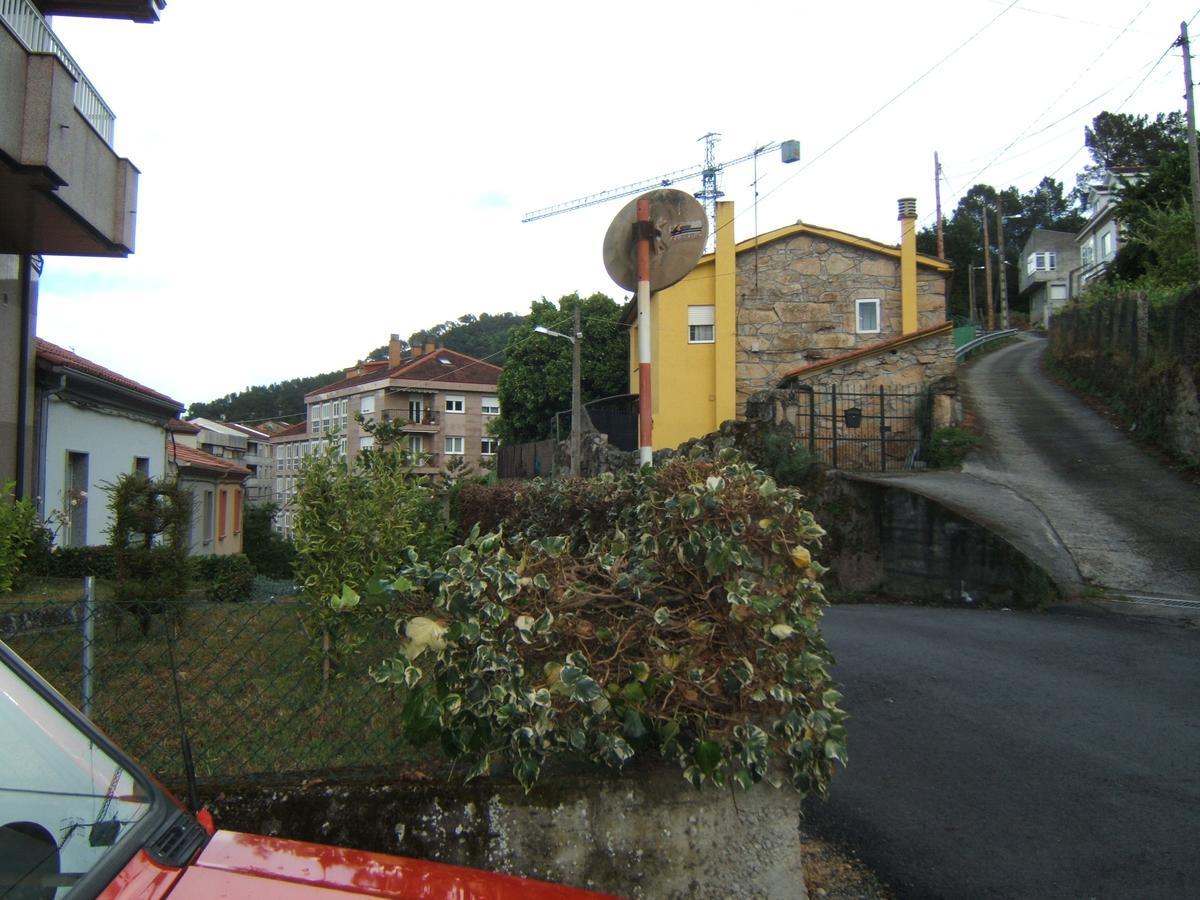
<point x="64" y="801"/>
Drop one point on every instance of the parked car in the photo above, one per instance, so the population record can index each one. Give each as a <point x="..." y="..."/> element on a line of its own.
<point x="78" y="818"/>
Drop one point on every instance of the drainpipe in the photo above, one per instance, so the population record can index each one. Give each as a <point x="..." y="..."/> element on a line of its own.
<point x="908" y="265"/>
<point x="24" y="288"/>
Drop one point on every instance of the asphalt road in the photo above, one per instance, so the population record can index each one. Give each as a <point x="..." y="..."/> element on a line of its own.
<point x="1003" y="754"/>
<point x="1130" y="523"/>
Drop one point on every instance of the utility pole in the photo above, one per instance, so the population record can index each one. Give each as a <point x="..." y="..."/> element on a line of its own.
<point x="937" y="198"/>
<point x="1002" y="273"/>
<point x="576" y="400"/>
<point x="1193" y="156"/>
<point x="987" y="273"/>
<point x="974" y="313"/>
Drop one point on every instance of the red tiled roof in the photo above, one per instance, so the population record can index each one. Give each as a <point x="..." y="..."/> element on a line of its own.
<point x="181" y="427"/>
<point x="461" y="369"/>
<point x="58" y="356"/>
<point x="870" y="350"/>
<point x="188" y="456"/>
<point x="297" y="430"/>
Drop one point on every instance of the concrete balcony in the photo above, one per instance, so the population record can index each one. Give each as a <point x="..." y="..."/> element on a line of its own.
<point x="64" y="190"/>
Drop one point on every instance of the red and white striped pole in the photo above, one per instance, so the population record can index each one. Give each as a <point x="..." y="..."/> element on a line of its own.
<point x="645" y="422"/>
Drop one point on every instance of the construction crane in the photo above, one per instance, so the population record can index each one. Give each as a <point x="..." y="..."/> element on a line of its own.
<point x="707" y="171"/>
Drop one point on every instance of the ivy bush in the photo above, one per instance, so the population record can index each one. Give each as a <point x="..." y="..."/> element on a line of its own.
<point x="150" y="520"/>
<point x="675" y="614"/>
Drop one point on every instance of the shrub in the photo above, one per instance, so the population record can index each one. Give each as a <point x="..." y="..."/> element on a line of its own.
<point x="225" y="579"/>
<point x="272" y="555"/>
<point x="948" y="446"/>
<point x="485" y="506"/>
<point x="17" y="524"/>
<point x="69" y="562"/>
<point x="680" y="620"/>
<point x="149" y="539"/>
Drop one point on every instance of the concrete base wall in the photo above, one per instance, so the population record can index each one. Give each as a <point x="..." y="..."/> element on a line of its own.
<point x="645" y="834"/>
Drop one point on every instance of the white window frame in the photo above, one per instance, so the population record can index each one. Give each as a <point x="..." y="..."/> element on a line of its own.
<point x="858" y="315"/>
<point x="1106" y="246"/>
<point x="456" y="403"/>
<point x="702" y="324"/>
<point x="366" y="406"/>
<point x="488" y="446"/>
<point x="455" y="441"/>
<point x="366" y="442"/>
<point x="490" y="406"/>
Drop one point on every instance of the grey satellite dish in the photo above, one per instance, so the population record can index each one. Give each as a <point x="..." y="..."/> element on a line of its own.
<point x="682" y="227"/>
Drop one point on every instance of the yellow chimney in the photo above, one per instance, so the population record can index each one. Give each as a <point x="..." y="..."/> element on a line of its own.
<point x="395" y="354"/>
<point x="908" y="265"/>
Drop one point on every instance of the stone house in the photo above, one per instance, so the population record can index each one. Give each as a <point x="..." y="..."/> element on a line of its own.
<point x="802" y="304"/>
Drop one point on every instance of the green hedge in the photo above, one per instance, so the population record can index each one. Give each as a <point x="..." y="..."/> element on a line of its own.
<point x="225" y="579"/>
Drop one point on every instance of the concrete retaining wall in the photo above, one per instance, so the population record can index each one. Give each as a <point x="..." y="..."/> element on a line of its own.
<point x="645" y="834"/>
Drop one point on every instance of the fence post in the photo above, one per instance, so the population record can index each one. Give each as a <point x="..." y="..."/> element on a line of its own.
<point x="1143" y="326"/>
<point x="882" y="433"/>
<point x="89" y="635"/>
<point x="812" y="420"/>
<point x="833" y="407"/>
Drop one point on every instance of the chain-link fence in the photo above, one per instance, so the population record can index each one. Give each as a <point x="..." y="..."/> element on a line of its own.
<point x="251" y="688"/>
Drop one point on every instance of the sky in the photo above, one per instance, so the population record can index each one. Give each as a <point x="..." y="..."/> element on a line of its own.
<point x="316" y="176"/>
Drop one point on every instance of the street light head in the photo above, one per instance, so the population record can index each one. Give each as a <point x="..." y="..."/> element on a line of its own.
<point x="541" y="329"/>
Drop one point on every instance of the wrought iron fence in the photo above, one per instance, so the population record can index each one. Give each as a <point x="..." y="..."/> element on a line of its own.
<point x="866" y="429"/>
<point x="251" y="687"/>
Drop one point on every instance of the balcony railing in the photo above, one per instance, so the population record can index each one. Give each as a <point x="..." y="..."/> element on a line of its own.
<point x="32" y="30"/>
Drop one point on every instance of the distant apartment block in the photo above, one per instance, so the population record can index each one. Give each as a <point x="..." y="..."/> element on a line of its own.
<point x="446" y="401"/>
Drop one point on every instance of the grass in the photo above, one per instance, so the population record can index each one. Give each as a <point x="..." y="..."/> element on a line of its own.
<point x="249" y="682"/>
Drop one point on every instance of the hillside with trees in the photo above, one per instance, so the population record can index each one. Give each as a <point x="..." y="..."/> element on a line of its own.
<point x="484" y="336"/>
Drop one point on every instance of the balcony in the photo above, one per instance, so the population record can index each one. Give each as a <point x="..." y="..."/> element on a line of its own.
<point x="66" y="191"/>
<point x="134" y="10"/>
<point x="426" y="424"/>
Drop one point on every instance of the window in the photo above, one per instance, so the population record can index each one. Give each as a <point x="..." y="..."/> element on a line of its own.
<point x="701" y="321"/>
<point x="488" y="446"/>
<point x="366" y="443"/>
<point x="366" y="406"/>
<point x="237" y="512"/>
<point x="75" y="501"/>
<point x="867" y="316"/>
<point x="222" y="509"/>
<point x="1086" y="254"/>
<point x="1041" y="262"/>
<point x="454" y="445"/>
<point x="141" y="466"/>
<point x="416" y="410"/>
<point x="490" y="406"/>
<point x="1106" y="248"/>
<point x="454" y="404"/>
<point x="208" y="517"/>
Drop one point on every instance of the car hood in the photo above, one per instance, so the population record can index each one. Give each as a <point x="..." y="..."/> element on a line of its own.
<point x="267" y="868"/>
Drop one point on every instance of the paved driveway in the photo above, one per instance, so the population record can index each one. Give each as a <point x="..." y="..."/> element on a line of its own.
<point x="1129" y="522"/>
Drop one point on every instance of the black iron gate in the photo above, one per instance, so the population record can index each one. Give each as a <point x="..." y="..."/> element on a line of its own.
<point x="877" y="429"/>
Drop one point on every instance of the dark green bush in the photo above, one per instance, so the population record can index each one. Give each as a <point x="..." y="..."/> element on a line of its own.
<point x="149" y="537"/>
<point x="948" y="446"/>
<point x="69" y="562"/>
<point x="225" y="579"/>
<point x="272" y="555"/>
<point x="484" y="505"/>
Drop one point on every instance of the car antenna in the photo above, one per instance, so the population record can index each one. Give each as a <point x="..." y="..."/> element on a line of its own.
<point x="189" y="767"/>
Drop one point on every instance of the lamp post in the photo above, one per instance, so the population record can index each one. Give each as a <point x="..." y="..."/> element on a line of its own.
<point x="576" y="400"/>
<point x="1000" y="220"/>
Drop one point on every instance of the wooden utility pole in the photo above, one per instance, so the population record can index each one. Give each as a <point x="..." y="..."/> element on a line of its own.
<point x="1002" y="273"/>
<point x="971" y="292"/>
<point x="987" y="274"/>
<point x="576" y="397"/>
<point x="1193" y="156"/>
<point x="937" y="198"/>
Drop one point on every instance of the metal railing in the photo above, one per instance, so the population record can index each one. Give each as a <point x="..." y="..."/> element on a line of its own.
<point x="971" y="346"/>
<point x="32" y="30"/>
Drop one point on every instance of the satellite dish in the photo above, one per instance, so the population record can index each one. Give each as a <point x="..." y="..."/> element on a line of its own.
<point x="682" y="227"/>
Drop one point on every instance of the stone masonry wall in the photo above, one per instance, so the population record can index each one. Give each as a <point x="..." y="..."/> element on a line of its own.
<point x="796" y="305"/>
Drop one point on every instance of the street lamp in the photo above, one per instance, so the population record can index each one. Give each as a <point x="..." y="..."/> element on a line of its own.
<point x="576" y="402"/>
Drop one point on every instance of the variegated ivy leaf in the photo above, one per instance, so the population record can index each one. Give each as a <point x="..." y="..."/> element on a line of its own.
<point x="348" y="600"/>
<point x="662" y="616"/>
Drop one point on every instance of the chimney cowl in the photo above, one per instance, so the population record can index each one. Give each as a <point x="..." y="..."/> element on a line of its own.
<point x="908" y="207"/>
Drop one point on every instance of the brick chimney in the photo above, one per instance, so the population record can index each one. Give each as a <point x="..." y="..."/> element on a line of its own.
<point x="908" y="265"/>
<point x="395" y="354"/>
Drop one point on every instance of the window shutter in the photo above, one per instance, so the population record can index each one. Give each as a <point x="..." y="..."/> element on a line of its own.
<point x="702" y="315"/>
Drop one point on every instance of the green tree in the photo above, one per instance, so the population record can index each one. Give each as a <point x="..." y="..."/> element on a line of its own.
<point x="1121" y="140"/>
<point x="536" y="382"/>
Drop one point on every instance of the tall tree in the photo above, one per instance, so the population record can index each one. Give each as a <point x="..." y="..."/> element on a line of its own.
<point x="536" y="382"/>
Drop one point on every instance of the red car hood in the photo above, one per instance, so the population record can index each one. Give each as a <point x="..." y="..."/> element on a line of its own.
<point x="264" y="868"/>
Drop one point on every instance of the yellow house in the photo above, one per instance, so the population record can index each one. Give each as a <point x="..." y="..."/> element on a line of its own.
<point x="752" y="312"/>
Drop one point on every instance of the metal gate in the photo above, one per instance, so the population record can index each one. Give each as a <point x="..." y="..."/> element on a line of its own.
<point x="873" y="430"/>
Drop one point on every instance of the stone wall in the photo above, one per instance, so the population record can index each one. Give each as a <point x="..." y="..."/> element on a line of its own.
<point x="1142" y="360"/>
<point x="645" y="834"/>
<point x="796" y="304"/>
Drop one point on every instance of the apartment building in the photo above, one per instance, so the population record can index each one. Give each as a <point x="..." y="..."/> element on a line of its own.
<point x="65" y="191"/>
<point x="445" y="401"/>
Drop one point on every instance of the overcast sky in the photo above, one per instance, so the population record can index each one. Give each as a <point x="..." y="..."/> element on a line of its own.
<point x="318" y="175"/>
